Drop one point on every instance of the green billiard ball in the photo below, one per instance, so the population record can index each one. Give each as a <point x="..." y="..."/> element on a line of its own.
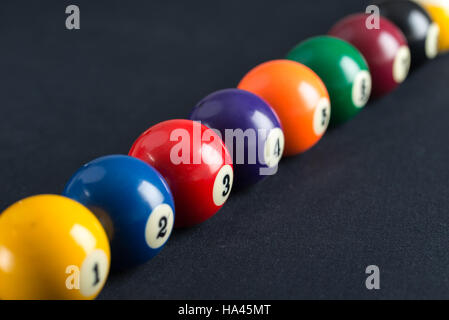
<point x="343" y="70"/>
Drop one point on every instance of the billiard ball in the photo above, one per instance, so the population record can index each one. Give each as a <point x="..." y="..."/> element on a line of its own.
<point x="299" y="98"/>
<point x="343" y="70"/>
<point x="132" y="201"/>
<point x="51" y="247"/>
<point x="195" y="163"/>
<point x="250" y="129"/>
<point x="419" y="29"/>
<point x="439" y="12"/>
<point x="385" y="50"/>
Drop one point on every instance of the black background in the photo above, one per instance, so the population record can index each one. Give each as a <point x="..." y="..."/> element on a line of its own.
<point x="373" y="191"/>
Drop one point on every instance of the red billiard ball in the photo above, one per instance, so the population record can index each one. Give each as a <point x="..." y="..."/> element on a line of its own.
<point x="194" y="161"/>
<point x="385" y="49"/>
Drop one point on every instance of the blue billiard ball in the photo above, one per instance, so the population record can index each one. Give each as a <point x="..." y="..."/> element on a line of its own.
<point x="132" y="201"/>
<point x="250" y="129"/>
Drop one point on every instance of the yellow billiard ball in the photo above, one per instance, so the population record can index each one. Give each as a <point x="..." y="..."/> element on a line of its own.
<point x="439" y="12"/>
<point x="51" y="247"/>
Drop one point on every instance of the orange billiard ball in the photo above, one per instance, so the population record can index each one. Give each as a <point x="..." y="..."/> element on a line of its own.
<point x="298" y="96"/>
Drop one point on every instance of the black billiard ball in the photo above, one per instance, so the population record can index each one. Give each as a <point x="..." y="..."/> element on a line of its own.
<point x="419" y="29"/>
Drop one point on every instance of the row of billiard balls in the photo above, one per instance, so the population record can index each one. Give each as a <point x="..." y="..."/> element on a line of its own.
<point x="59" y="246"/>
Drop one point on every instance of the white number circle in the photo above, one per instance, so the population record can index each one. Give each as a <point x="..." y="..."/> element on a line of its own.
<point x="94" y="271"/>
<point x="274" y="147"/>
<point x="321" y="116"/>
<point x="361" y="88"/>
<point x="159" y="226"/>
<point x="433" y="36"/>
<point x="401" y="64"/>
<point x="222" y="185"/>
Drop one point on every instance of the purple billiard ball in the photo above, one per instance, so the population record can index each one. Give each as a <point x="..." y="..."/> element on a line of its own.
<point x="250" y="129"/>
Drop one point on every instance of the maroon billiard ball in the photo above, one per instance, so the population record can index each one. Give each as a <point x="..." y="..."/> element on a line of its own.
<point x="385" y="49"/>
